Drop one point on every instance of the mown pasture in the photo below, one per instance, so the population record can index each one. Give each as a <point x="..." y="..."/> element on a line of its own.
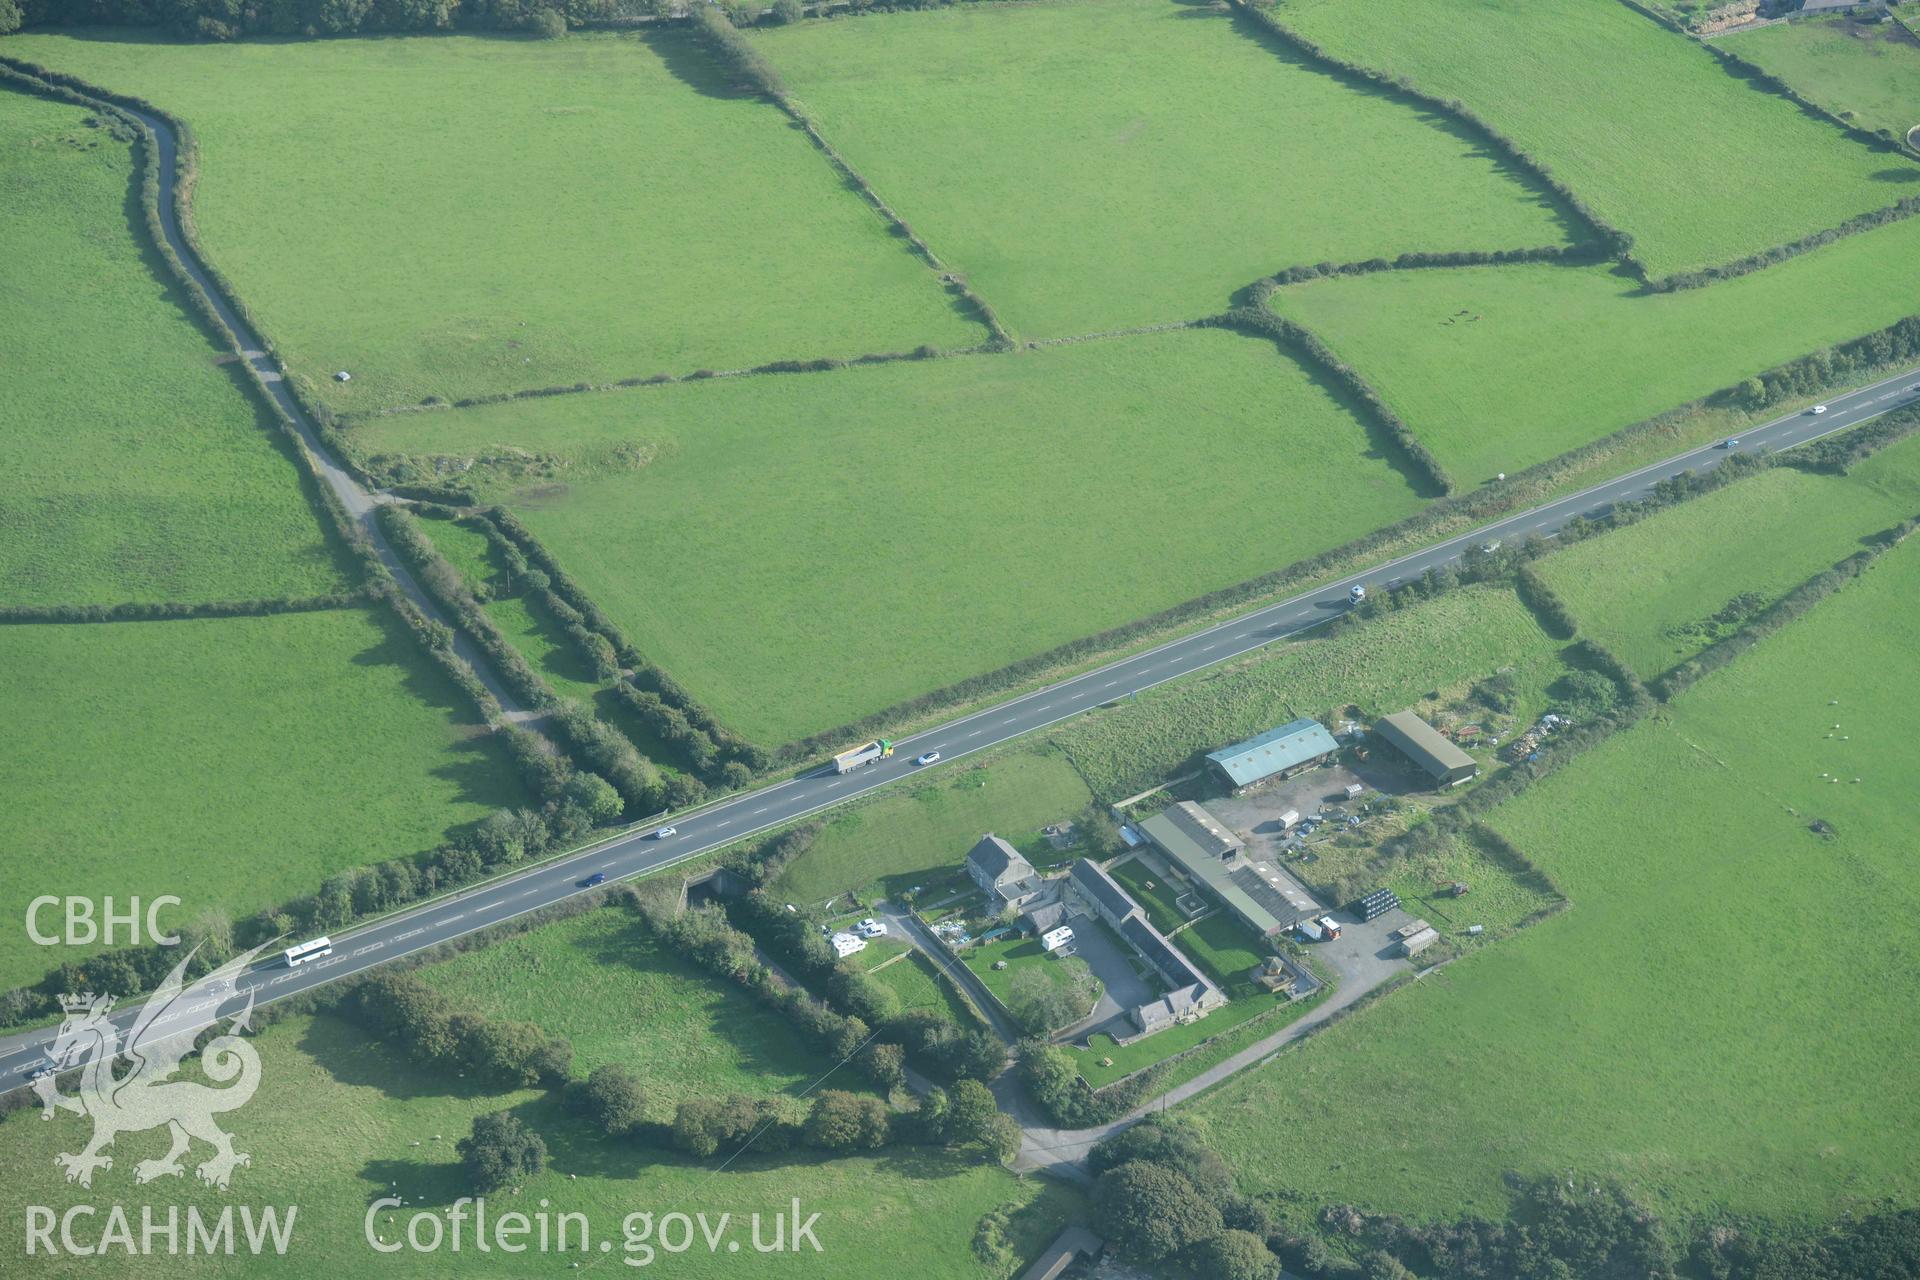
<point x="802" y="550"/>
<point x="1721" y="1021"/>
<point x="1108" y="163"/>
<point x="603" y="982"/>
<point x="1497" y="368"/>
<point x="1659" y="591"/>
<point x="233" y="763"/>
<point x="920" y="835"/>
<point x="461" y="215"/>
<point x="1866" y="73"/>
<point x="1386" y="665"/>
<point x="341" y="1120"/>
<point x="1706" y="170"/>
<point x="136" y="467"/>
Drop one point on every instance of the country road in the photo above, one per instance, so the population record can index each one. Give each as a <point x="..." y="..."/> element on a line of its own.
<point x="630" y="854"/>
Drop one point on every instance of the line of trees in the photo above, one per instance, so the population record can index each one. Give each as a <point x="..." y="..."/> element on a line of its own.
<point x="420" y="1021"/>
<point x="440" y="580"/>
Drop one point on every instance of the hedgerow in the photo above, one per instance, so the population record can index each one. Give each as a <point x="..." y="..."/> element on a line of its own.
<point x="167" y="610"/>
<point x="443" y="583"/>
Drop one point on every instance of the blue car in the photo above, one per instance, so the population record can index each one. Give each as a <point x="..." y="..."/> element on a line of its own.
<point x="598" y="877"/>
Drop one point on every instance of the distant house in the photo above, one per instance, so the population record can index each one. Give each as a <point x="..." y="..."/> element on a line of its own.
<point x="1275" y="754"/>
<point x="1425" y="749"/>
<point x="1002" y="874"/>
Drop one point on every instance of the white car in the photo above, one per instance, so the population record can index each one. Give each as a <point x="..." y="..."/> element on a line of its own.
<point x="664" y="832"/>
<point x="871" y="928"/>
<point x="928" y="758"/>
<point x="1357" y="594"/>
<point x="1819" y="408"/>
<point x="1731" y="442"/>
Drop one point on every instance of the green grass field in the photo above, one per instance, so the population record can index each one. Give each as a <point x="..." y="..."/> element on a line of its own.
<point x="803" y="550"/>
<point x="915" y="836"/>
<point x="1866" y="73"/>
<point x="1561" y="357"/>
<point x="1384" y="666"/>
<point x="340" y="1121"/>
<point x="1704" y="170"/>
<point x="1722" y="1020"/>
<point x="1651" y="591"/>
<point x="232" y="763"/>
<point x="600" y="980"/>
<point x="136" y="468"/>
<point x="919" y="986"/>
<point x="460" y="215"/>
<point x="1108" y="163"/>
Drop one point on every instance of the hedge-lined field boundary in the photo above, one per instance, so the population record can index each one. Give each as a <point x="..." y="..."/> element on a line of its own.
<point x="1671" y="684"/>
<point x="1303" y="343"/>
<point x="170" y="611"/>
<point x="1617" y="243"/>
<point x="1746" y="69"/>
<point x="439" y="579"/>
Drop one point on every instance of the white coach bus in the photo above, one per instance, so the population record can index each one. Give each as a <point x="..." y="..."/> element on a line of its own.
<point x="309" y="951"/>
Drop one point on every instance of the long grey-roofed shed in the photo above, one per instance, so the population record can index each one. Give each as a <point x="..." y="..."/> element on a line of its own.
<point x="1422" y="744"/>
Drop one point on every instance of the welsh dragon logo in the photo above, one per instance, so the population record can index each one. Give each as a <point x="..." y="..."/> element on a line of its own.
<point x="142" y="1096"/>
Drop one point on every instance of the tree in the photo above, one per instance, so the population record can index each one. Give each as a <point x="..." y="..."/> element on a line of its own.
<point x="1051" y="995"/>
<point x="548" y="24"/>
<point x="501" y="1150"/>
<point x="787" y="12"/>
<point x="1170" y="1143"/>
<point x="502" y="1051"/>
<point x="1003" y="1139"/>
<point x="1384" y="1266"/>
<point x="1150" y="1213"/>
<point x="841" y="1121"/>
<point x="970" y="1114"/>
<point x="885" y="1065"/>
<point x="612" y="1099"/>
<point x="1234" y="1255"/>
<point x="1753" y="394"/>
<point x="9" y="17"/>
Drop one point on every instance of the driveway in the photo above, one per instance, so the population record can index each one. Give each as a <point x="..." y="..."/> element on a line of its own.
<point x="1124" y="990"/>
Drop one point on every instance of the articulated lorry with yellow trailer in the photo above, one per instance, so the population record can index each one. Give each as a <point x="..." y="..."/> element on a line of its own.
<point x="878" y="749"/>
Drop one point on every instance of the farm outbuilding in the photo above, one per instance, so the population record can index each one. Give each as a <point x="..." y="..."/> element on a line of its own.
<point x="1417" y="941"/>
<point x="1277" y="753"/>
<point x="1265" y="898"/>
<point x="1423" y="746"/>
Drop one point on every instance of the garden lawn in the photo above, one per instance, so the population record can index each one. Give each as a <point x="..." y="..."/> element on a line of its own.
<point x="1866" y="73"/>
<point x="232" y="763"/>
<point x="1383" y="666"/>
<point x="339" y="1120"/>
<point x="913" y="837"/>
<point x="801" y="551"/>
<point x="1107" y="163"/>
<point x="1240" y="1023"/>
<point x="136" y="467"/>
<point x="1703" y="169"/>
<point x="1159" y="902"/>
<point x="603" y="982"/>
<point x="461" y="215"/>
<point x="1659" y="591"/>
<point x="1497" y="368"/>
<point x="1019" y="953"/>
<point x="920" y="986"/>
<point x="1723" y="1018"/>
